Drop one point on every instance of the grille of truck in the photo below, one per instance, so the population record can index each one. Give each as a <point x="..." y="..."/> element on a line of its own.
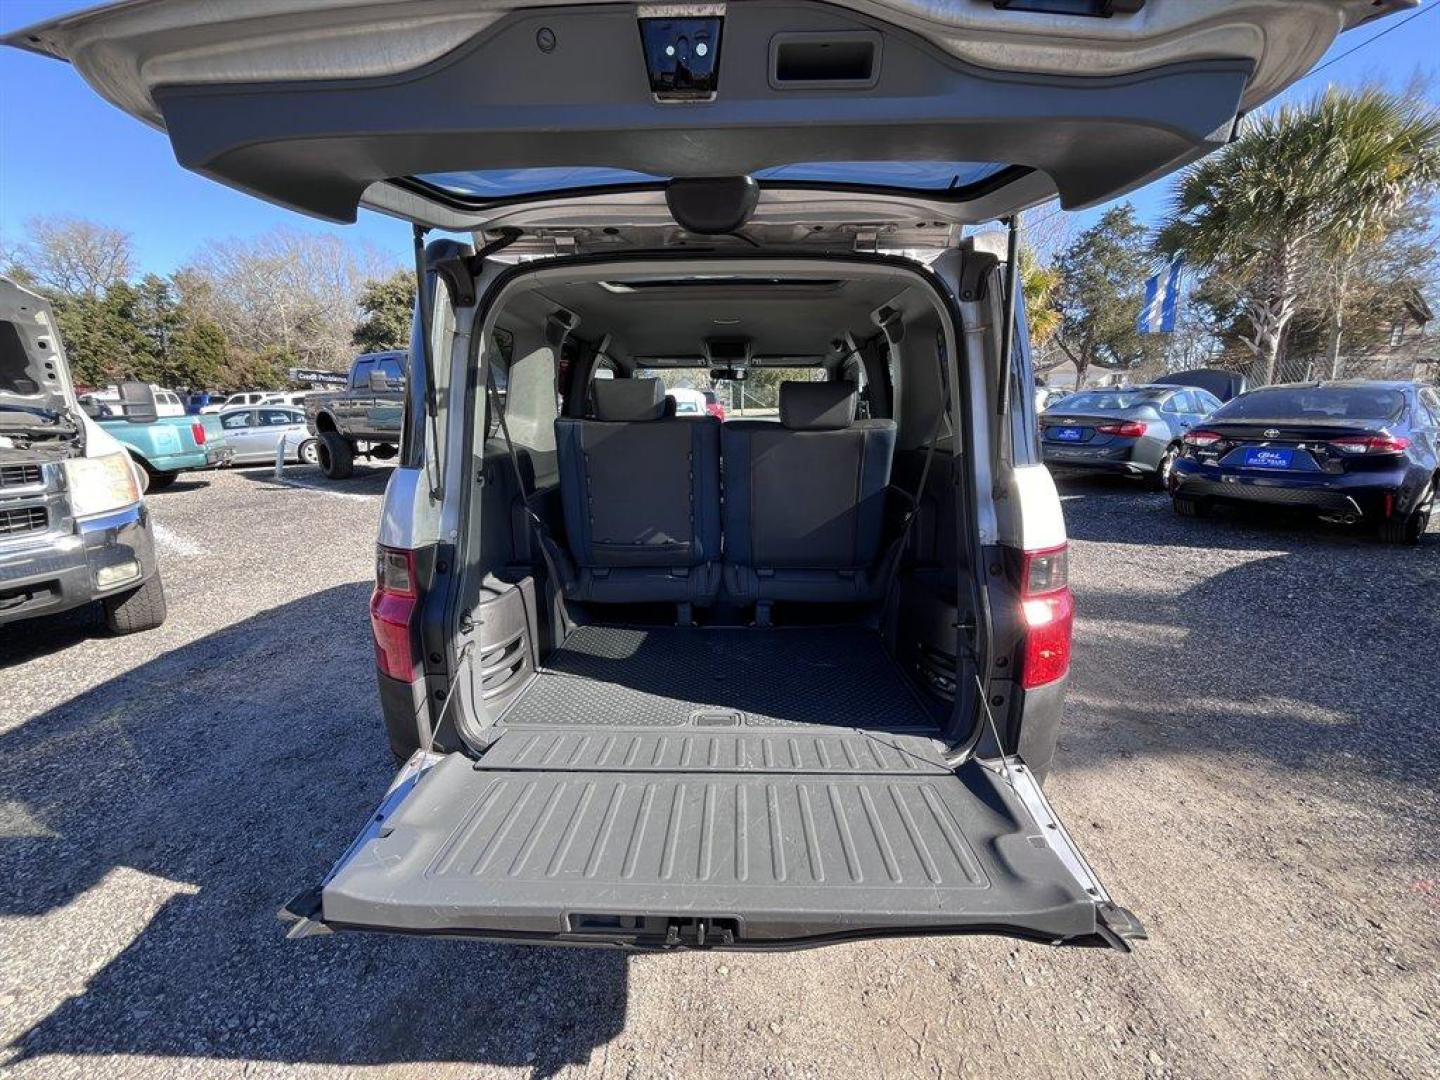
<point x="27" y="519"/>
<point x="19" y="475"/>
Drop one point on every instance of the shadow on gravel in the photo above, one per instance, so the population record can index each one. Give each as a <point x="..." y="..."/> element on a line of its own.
<point x="1319" y="661"/>
<point x="238" y="768"/>
<point x="366" y="480"/>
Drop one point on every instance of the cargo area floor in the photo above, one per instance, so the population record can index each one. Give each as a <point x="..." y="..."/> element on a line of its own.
<point x="714" y="678"/>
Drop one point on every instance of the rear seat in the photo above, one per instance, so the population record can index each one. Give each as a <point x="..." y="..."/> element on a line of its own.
<point x="805" y="499"/>
<point x="641" y="496"/>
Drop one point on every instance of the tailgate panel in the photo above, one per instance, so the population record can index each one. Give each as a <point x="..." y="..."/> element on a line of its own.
<point x="781" y="857"/>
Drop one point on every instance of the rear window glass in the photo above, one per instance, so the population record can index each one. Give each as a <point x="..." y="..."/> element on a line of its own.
<point x="485" y="184"/>
<point x="1315" y="403"/>
<point x="1108" y="400"/>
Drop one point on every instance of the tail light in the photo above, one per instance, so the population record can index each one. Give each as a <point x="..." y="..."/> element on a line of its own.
<point x="1370" y="444"/>
<point x="1049" y="610"/>
<point x="1131" y="429"/>
<point x="197" y="429"/>
<point x="393" y="606"/>
<point x="1201" y="438"/>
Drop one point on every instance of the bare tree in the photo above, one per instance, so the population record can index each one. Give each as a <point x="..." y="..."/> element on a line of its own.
<point x="285" y="292"/>
<point x="74" y="256"/>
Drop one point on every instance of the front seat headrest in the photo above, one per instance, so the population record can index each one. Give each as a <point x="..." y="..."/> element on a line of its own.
<point x="629" y="399"/>
<point x="817" y="406"/>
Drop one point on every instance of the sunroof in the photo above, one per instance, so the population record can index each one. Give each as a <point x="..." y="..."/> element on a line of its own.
<point x="485" y="185"/>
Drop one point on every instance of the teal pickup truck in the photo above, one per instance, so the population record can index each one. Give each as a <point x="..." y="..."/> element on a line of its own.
<point x="164" y="446"/>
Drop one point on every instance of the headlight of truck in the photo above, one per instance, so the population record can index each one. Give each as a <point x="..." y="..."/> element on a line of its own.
<point x="99" y="485"/>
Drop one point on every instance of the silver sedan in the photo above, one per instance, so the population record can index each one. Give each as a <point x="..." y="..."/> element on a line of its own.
<point x="254" y="432"/>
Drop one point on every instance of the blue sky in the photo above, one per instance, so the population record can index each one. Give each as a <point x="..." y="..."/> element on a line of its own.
<point x="65" y="151"/>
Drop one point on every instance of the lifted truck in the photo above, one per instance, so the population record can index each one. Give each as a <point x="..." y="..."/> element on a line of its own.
<point x="368" y="411"/>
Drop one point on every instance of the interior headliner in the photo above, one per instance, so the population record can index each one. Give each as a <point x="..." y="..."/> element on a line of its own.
<point x="673" y="320"/>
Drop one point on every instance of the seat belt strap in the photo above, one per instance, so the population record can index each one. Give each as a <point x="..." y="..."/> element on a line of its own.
<point x="537" y="523"/>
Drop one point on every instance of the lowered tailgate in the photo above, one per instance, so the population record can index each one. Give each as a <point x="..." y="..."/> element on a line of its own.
<point x="714" y="839"/>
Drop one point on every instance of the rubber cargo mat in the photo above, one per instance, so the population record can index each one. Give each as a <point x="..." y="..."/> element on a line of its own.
<point x="717" y="678"/>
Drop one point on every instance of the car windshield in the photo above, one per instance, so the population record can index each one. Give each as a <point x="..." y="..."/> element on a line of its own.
<point x="1108" y="400"/>
<point x="1315" y="403"/>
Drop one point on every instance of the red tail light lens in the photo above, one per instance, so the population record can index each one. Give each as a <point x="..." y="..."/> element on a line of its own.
<point x="1131" y="429"/>
<point x="1370" y="444"/>
<point x="393" y="607"/>
<point x="1049" y="610"/>
<point x="1201" y="438"/>
<point x="197" y="429"/>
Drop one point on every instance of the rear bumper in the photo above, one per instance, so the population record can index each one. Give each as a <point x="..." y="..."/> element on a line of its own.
<point x="1109" y="458"/>
<point x="1363" y="496"/>
<point x="208" y="458"/>
<point x="56" y="572"/>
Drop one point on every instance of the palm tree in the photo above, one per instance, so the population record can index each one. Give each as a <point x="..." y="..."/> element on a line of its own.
<point x="1038" y="283"/>
<point x="1300" y="185"/>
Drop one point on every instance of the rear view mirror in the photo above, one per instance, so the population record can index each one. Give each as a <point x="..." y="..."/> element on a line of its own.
<point x="729" y="374"/>
<point x="379" y="381"/>
<point x="137" y="400"/>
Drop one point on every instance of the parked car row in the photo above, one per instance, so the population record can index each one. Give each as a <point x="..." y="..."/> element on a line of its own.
<point x="1349" y="451"/>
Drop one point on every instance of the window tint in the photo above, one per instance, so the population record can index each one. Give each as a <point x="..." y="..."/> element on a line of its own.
<point x="1206" y="401"/>
<point x="234" y="421"/>
<point x="527" y="393"/>
<point x="392" y="367"/>
<point x="360" y="373"/>
<point x="1177" y="403"/>
<point x="1316" y="403"/>
<point x="1110" y="400"/>
<point x="277" y="417"/>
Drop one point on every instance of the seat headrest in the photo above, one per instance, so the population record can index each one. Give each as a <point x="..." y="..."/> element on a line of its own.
<point x="630" y="399"/>
<point x="817" y="406"/>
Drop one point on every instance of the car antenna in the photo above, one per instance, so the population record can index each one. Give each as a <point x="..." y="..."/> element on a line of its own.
<point x="1007" y="328"/>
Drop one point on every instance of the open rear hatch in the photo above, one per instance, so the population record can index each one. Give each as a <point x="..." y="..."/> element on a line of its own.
<point x="882" y="120"/>
<point x="631" y="838"/>
<point x="459" y="115"/>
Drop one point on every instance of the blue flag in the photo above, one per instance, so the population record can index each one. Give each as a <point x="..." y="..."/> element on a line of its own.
<point x="1162" y="302"/>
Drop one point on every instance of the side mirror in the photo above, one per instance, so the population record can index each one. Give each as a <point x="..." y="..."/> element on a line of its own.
<point x="137" y="400"/>
<point x="379" y="382"/>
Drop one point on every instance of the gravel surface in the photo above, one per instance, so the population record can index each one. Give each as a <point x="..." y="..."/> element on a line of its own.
<point x="1250" y="761"/>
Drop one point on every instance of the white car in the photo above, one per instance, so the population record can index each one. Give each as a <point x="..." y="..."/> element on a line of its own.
<point x="241" y="400"/>
<point x="687" y="402"/>
<point x="668" y="683"/>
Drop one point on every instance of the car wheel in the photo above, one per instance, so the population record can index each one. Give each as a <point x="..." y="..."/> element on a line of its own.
<point x="335" y="455"/>
<point x="1160" y="479"/>
<point x="139" y="609"/>
<point x="159" y="481"/>
<point x="1190" y="508"/>
<point x="309" y="452"/>
<point x="1410" y="528"/>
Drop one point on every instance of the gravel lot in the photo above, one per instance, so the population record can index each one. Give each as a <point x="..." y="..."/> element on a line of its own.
<point x="1250" y="761"/>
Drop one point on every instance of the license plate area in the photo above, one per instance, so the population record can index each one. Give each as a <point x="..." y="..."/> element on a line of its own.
<point x="1066" y="434"/>
<point x="1267" y="457"/>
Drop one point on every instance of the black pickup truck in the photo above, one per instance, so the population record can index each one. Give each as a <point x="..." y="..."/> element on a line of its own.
<point x="364" y="417"/>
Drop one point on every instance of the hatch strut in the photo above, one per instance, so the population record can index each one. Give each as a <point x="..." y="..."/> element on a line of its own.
<point x="1007" y="329"/>
<point x="427" y="367"/>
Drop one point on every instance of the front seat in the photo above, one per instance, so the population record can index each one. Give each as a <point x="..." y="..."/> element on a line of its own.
<point x="641" y="496"/>
<point x="805" y="499"/>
